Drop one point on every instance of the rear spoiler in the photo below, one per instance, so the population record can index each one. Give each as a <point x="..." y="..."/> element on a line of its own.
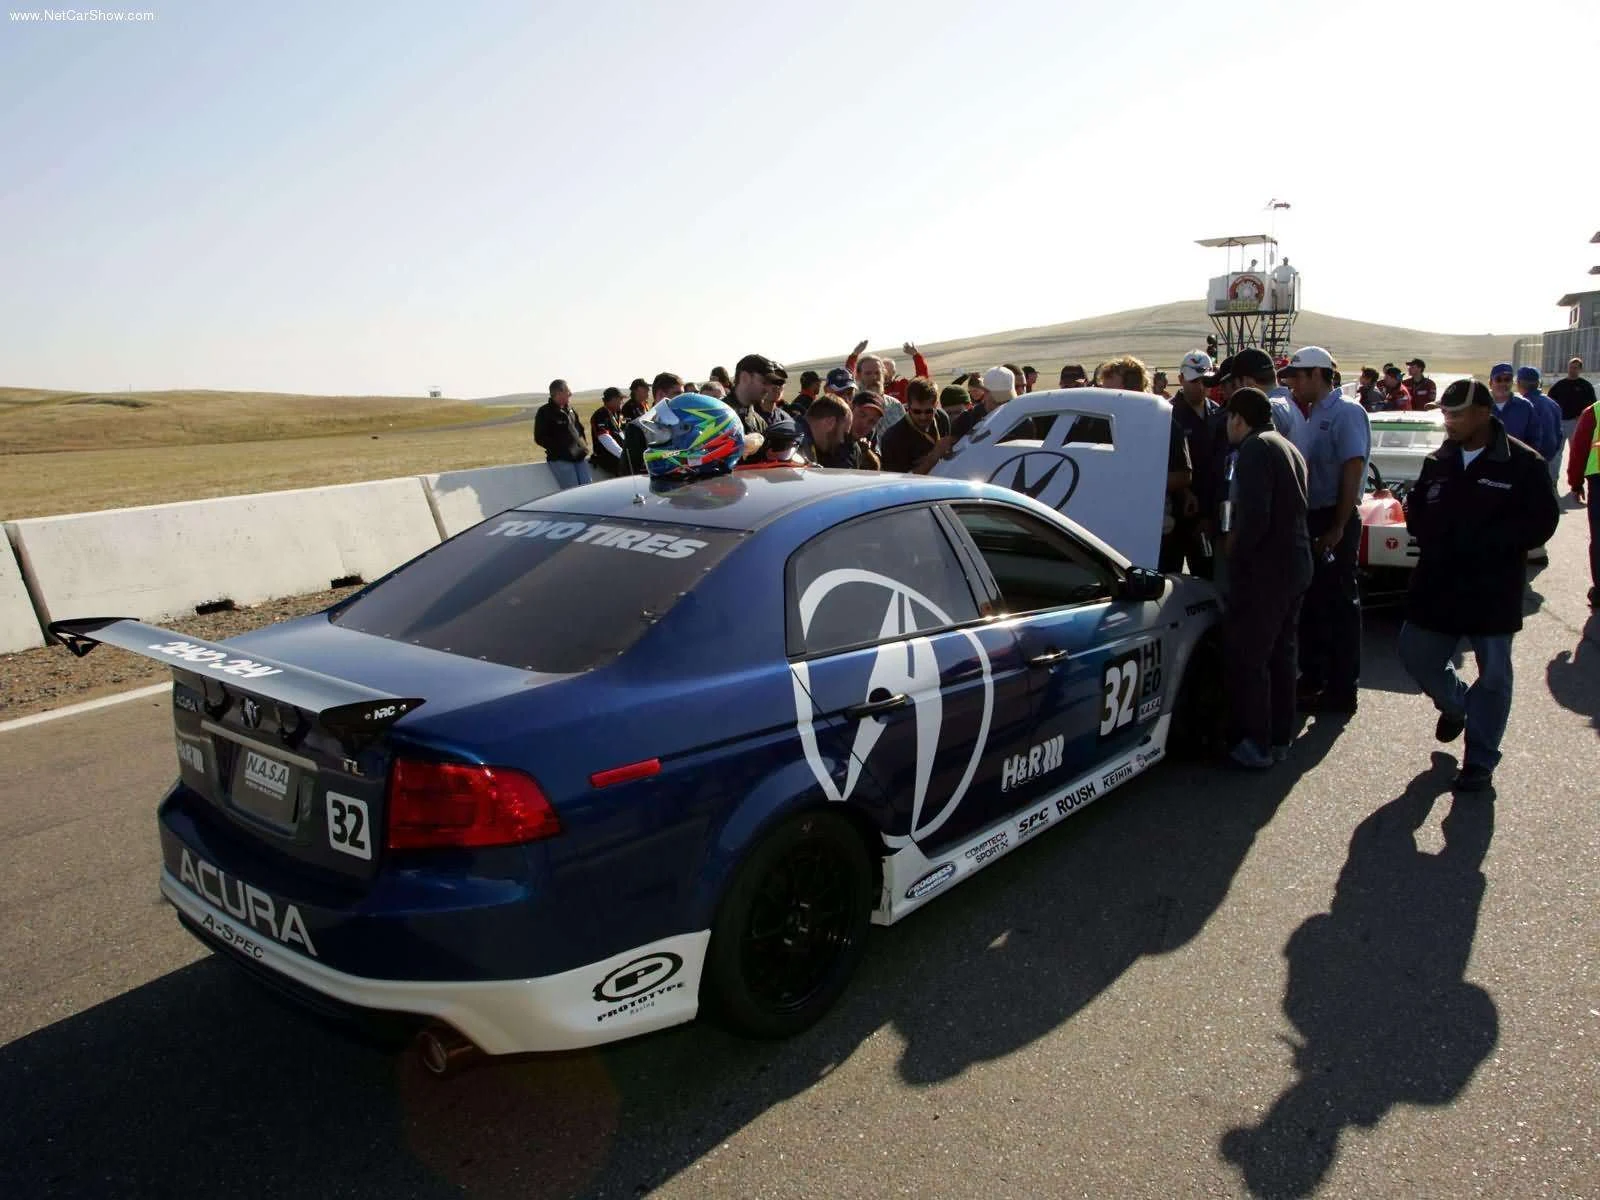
<point x="344" y="708"/>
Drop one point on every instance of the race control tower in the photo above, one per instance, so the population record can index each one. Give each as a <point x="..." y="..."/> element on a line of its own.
<point x="1254" y="303"/>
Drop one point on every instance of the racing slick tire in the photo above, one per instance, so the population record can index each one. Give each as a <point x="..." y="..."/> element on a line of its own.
<point x="790" y="929"/>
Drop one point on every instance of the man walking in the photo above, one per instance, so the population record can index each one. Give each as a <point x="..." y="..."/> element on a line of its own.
<point x="558" y="432"/>
<point x="1547" y="415"/>
<point x="1335" y="439"/>
<point x="1482" y="501"/>
<point x="1268" y="569"/>
<point x="1575" y="395"/>
<point x="1511" y="410"/>
<point x="1583" y="477"/>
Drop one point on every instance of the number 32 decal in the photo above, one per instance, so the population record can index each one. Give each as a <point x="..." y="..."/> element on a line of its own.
<point x="1132" y="688"/>
<point x="348" y="827"/>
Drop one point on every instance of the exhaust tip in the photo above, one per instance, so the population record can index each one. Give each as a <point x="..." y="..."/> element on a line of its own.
<point x="443" y="1051"/>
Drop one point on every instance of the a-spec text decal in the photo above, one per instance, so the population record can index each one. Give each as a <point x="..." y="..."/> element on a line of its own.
<point x="1132" y="685"/>
<point x="208" y="659"/>
<point x="640" y="541"/>
<point x="244" y="902"/>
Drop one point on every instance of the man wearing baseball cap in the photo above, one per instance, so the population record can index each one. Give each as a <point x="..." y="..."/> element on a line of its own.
<point x="1335" y="439"/>
<point x="1194" y="510"/>
<point x="1481" y="503"/>
<point x="1423" y="392"/>
<point x="841" y="383"/>
<point x="1547" y="415"/>
<point x="1253" y="367"/>
<point x="1512" y="411"/>
<point x="754" y="374"/>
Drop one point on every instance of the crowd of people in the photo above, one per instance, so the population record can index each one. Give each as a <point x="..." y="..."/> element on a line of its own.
<point x="1266" y="467"/>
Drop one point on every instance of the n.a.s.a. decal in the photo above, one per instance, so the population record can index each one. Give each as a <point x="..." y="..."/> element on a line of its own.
<point x="1132" y="688"/>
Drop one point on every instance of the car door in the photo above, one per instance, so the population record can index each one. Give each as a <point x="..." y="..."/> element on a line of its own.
<point x="1095" y="668"/>
<point x="923" y="692"/>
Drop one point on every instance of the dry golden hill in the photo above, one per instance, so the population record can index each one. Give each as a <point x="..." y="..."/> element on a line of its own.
<point x="34" y="421"/>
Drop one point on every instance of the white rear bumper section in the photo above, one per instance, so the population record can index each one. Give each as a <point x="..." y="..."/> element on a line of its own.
<point x="638" y="991"/>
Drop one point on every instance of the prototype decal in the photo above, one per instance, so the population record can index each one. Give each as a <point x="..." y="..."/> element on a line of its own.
<point x="1132" y="684"/>
<point x="1047" y="476"/>
<point x="907" y="667"/>
<point x="641" y="541"/>
<point x="636" y="986"/>
<point x="244" y="902"/>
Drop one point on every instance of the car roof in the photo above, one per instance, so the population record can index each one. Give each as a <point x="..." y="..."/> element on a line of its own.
<point x="1429" y="416"/>
<point x="747" y="500"/>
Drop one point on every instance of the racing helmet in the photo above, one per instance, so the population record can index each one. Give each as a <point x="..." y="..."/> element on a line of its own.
<point x="691" y="437"/>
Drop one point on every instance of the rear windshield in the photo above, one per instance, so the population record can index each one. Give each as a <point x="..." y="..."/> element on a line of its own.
<point x="546" y="592"/>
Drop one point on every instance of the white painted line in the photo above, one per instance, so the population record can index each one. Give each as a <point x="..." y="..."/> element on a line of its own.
<point x="72" y="710"/>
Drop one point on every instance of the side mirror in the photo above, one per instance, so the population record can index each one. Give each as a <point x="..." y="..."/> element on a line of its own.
<point x="1142" y="584"/>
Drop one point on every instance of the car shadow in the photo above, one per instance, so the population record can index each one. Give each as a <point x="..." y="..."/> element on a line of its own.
<point x="201" y="1080"/>
<point x="1376" y="989"/>
<point x="1573" y="676"/>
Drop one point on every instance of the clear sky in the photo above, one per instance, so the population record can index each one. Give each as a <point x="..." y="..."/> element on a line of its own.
<point x="377" y="197"/>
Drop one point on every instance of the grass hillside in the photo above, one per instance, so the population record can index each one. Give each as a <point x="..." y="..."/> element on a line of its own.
<point x="1163" y="334"/>
<point x="87" y="451"/>
<point x="34" y="421"/>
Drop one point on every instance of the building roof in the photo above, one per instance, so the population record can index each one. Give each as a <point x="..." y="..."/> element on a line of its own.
<point x="1572" y="298"/>
<point x="1244" y="239"/>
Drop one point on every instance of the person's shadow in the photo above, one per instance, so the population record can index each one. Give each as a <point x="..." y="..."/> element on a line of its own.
<point x="1376" y="989"/>
<point x="1573" y="676"/>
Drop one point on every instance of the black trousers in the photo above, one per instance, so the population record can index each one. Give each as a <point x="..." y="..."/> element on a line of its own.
<point x="1185" y="544"/>
<point x="1260" y="629"/>
<point x="1330" y="618"/>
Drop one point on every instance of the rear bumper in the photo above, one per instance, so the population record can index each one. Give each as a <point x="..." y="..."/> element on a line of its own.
<point x="638" y="991"/>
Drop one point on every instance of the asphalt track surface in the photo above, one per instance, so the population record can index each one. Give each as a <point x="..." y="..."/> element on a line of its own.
<point x="1331" y="980"/>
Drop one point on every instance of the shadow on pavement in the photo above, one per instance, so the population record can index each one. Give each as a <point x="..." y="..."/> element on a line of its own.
<point x="199" y="1080"/>
<point x="1376" y="989"/>
<point x="1573" y="676"/>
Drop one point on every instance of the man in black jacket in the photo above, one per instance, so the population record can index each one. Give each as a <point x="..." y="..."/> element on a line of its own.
<point x="605" y="428"/>
<point x="557" y="430"/>
<point x="1268" y="571"/>
<point x="1482" y="501"/>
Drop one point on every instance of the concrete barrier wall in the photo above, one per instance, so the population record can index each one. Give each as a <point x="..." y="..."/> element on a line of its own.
<point x="163" y="560"/>
<point x="19" y="626"/>
<point x="460" y="499"/>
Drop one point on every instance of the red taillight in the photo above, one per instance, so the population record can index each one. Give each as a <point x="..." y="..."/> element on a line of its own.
<point x="433" y="805"/>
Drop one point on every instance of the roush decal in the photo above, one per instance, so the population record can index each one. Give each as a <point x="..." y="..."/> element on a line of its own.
<point x="908" y="667"/>
<point x="1077" y="798"/>
<point x="245" y="902"/>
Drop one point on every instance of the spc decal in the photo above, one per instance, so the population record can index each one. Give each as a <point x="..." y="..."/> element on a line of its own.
<point x="907" y="667"/>
<point x="1032" y="823"/>
<point x="1132" y="685"/>
<point x="641" y="541"/>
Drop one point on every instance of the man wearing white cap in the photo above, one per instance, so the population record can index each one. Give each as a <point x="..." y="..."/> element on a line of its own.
<point x="1195" y="508"/>
<point x="1336" y="441"/>
<point x="999" y="387"/>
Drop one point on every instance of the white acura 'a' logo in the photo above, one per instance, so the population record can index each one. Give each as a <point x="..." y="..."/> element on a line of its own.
<point x="901" y="665"/>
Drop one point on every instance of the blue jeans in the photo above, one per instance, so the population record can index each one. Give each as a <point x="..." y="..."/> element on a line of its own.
<point x="571" y="474"/>
<point x="1486" y="705"/>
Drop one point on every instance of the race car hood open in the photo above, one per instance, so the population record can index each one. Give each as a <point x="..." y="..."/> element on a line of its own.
<point x="1094" y="455"/>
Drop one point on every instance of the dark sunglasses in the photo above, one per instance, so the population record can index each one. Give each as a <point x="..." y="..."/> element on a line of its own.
<point x="1500" y="378"/>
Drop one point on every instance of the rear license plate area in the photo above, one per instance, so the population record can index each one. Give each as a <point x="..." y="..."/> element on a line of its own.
<point x="266" y="788"/>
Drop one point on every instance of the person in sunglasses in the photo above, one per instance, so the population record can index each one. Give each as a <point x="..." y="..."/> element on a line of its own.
<point x="1514" y="412"/>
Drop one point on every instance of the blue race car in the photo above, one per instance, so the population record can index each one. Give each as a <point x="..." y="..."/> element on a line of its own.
<point x="630" y="752"/>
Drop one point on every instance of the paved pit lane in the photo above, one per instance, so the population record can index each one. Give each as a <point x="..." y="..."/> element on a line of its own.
<point x="1333" y="980"/>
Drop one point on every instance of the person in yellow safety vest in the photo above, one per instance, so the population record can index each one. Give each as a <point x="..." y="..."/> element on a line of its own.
<point x="1583" y="472"/>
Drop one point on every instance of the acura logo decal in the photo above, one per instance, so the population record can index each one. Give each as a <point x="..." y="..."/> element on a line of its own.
<point x="1047" y="476"/>
<point x="900" y="665"/>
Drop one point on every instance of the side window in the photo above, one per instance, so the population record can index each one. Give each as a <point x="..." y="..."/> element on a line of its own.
<point x="1035" y="429"/>
<point x="875" y="580"/>
<point x="1035" y="566"/>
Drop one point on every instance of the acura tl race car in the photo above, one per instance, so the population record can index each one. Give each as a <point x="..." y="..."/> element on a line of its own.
<point x="628" y="753"/>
